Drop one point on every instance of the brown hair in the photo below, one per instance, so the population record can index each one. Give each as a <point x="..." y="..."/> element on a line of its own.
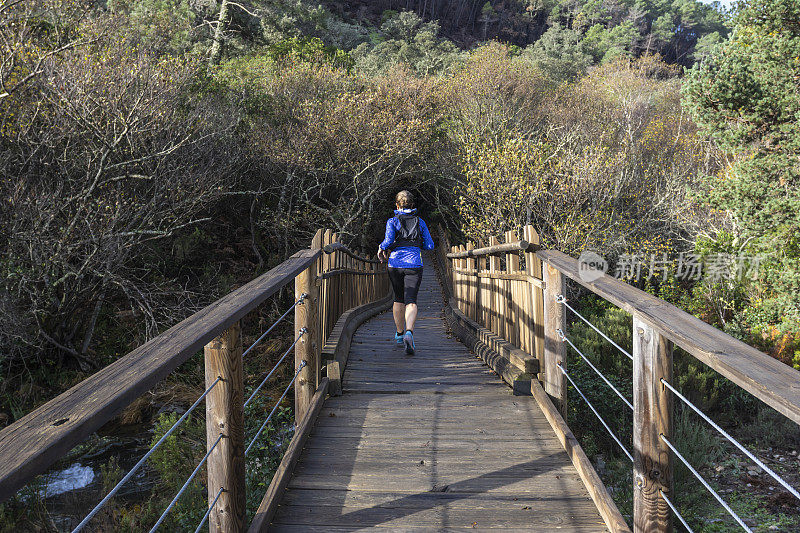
<point x="404" y="200"/>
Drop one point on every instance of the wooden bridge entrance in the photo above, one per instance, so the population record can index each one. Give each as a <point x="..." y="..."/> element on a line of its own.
<point x="429" y="443"/>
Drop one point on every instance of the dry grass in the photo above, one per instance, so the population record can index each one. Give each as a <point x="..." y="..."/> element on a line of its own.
<point x="165" y="393"/>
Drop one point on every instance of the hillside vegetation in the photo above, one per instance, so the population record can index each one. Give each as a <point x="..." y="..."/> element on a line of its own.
<point x="156" y="153"/>
<point x="589" y="30"/>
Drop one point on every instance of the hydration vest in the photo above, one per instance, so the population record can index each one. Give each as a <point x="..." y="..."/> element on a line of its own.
<point x="409" y="233"/>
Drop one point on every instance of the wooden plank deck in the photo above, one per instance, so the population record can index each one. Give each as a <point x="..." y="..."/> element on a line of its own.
<point x="433" y="442"/>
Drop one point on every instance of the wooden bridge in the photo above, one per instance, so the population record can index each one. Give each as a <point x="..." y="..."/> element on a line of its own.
<point x="467" y="434"/>
<point x="430" y="442"/>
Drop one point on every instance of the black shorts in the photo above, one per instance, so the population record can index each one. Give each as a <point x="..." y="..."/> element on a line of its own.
<point x="405" y="284"/>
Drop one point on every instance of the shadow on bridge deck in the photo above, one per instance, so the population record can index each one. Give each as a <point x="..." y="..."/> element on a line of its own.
<point x="429" y="443"/>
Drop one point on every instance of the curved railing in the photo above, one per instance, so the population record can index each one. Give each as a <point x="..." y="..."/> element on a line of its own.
<point x="506" y="300"/>
<point x="330" y="280"/>
<point x="520" y="300"/>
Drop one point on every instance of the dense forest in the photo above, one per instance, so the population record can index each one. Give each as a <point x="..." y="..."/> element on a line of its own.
<point x="681" y="31"/>
<point x="155" y="154"/>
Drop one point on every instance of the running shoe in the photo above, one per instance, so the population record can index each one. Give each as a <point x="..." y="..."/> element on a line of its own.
<point x="398" y="338"/>
<point x="408" y="342"/>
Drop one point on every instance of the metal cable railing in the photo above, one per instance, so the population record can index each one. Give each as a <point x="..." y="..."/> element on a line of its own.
<point x="623" y="398"/>
<point x="561" y="299"/>
<point x="194" y="473"/>
<point x="602" y="421"/>
<point x="303" y="331"/>
<point x="735" y="442"/>
<point x="208" y="512"/>
<point x="185" y="485"/>
<point x="258" y="433"/>
<point x="704" y="482"/>
<point x="261" y="338"/>
<point x="675" y="510"/>
<point x="139" y="464"/>
<point x="563" y="337"/>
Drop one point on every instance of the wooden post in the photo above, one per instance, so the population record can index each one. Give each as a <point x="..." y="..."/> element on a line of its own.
<point x="317" y="242"/>
<point x="652" y="416"/>
<point x="457" y="280"/>
<point x="373" y="280"/>
<point x="336" y="284"/>
<point x="452" y="278"/>
<point x="349" y="278"/>
<point x="326" y="294"/>
<point x="225" y="416"/>
<point x="472" y="283"/>
<point x="535" y="309"/>
<point x="362" y="281"/>
<point x="555" y="350"/>
<point x="527" y="324"/>
<point x="512" y="303"/>
<point x="308" y="347"/>
<point x="494" y="293"/>
<point x="462" y="282"/>
<point x="481" y="300"/>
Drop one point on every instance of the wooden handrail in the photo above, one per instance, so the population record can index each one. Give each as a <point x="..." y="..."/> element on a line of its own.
<point x="514" y="276"/>
<point x="488" y="309"/>
<point x="766" y="378"/>
<point x="484" y="295"/>
<point x="517" y="246"/>
<point x="33" y="443"/>
<point x="340" y="271"/>
<point x="337" y="246"/>
<point x="328" y="279"/>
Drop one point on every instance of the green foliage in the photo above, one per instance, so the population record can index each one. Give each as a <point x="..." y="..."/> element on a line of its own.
<point x="498" y="170"/>
<point x="607" y="44"/>
<point x="706" y="45"/>
<point x="110" y="474"/>
<point x="26" y="510"/>
<point x="310" y="50"/>
<point x="559" y="54"/>
<point x="266" y="454"/>
<point x="614" y="365"/>
<point x="282" y="20"/>
<point x="406" y="40"/>
<point x="745" y="96"/>
<point x="604" y="163"/>
<point x="663" y="28"/>
<point x="612" y="321"/>
<point x="173" y="461"/>
<point x="164" y="26"/>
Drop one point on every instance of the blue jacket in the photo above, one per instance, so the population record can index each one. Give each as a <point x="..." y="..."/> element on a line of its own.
<point x="405" y="256"/>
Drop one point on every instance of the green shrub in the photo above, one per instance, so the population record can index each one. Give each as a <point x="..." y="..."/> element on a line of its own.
<point x="746" y="97"/>
<point x="613" y="364"/>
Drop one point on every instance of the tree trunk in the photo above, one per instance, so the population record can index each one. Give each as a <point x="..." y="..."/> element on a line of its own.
<point x="219" y="33"/>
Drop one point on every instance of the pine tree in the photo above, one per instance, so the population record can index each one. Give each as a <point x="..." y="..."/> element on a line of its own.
<point x="746" y="95"/>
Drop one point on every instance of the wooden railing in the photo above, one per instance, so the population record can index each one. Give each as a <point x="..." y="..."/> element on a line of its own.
<point x="334" y="287"/>
<point x="512" y="292"/>
<point x="492" y="289"/>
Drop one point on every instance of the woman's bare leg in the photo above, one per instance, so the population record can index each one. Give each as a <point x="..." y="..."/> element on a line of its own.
<point x="411" y="316"/>
<point x="399" y="312"/>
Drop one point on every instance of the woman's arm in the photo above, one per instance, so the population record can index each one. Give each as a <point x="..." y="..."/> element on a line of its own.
<point x="388" y="239"/>
<point x="427" y="240"/>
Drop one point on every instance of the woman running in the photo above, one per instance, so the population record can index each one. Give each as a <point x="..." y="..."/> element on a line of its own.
<point x="406" y="236"/>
